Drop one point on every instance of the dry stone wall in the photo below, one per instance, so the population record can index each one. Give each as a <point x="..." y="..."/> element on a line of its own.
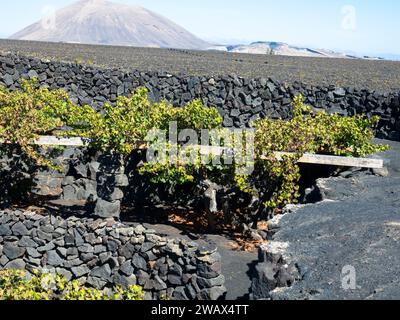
<point x="102" y="253"/>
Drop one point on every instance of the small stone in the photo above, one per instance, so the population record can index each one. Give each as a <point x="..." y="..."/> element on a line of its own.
<point x="73" y="263"/>
<point x="213" y="294"/>
<point x="117" y="194"/>
<point x="103" y="272"/>
<point x="155" y="284"/>
<point x="49" y="246"/>
<point x="191" y="292"/>
<point x="5" y="230"/>
<point x="72" y="251"/>
<point x="12" y="251"/>
<point x="126" y="232"/>
<point x="186" y="278"/>
<point x="44" y="236"/>
<point x="27" y="242"/>
<point x="112" y="245"/>
<point x="99" y="249"/>
<point x="174" y="248"/>
<point x="86" y="257"/>
<point x="78" y="238"/>
<point x="33" y="74"/>
<point x="147" y="246"/>
<point x="154" y="238"/>
<point x="209" y="271"/>
<point x="176" y="269"/>
<point x="210" y="259"/>
<point x="33" y="261"/>
<point x="127" y="250"/>
<point x="209" y="283"/>
<point x="93" y="169"/>
<point x="104" y="257"/>
<point x="69" y="240"/>
<point x="47" y="229"/>
<point x="142" y="277"/>
<point x="228" y="122"/>
<point x="8" y="80"/>
<point x="62" y="252"/>
<point x="207" y="249"/>
<point x="121" y="180"/>
<point x="63" y="272"/>
<point x="105" y="209"/>
<point x="18" y="264"/>
<point x="54" y="259"/>
<point x="86" y="248"/>
<point x="33" y="253"/>
<point x="175" y="280"/>
<point x="96" y="282"/>
<point x="180" y="294"/>
<point x="383" y="172"/>
<point x="124" y="281"/>
<point x="340" y="92"/>
<point x="82" y="170"/>
<point x="139" y="262"/>
<point x="140" y="229"/>
<point x="59" y="232"/>
<point x="80" y="271"/>
<point x="19" y="229"/>
<point x="190" y="268"/>
<point x="151" y="256"/>
<point x="3" y="260"/>
<point x="127" y="268"/>
<point x="92" y="239"/>
<point x="138" y="240"/>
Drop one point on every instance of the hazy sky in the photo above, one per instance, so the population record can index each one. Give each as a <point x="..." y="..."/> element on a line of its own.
<point x="362" y="26"/>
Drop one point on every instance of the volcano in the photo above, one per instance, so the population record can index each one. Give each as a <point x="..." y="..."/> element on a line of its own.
<point x="107" y="23"/>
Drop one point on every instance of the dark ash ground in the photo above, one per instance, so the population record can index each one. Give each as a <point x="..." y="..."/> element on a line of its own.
<point x="374" y="75"/>
<point x="359" y="227"/>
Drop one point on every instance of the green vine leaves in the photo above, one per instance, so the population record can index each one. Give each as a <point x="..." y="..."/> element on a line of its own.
<point x="32" y="111"/>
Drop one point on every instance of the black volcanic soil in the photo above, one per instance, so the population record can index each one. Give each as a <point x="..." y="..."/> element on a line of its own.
<point x="358" y="227"/>
<point x="374" y="75"/>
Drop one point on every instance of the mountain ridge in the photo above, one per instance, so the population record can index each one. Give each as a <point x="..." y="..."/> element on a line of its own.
<point x="102" y="22"/>
<point x="284" y="49"/>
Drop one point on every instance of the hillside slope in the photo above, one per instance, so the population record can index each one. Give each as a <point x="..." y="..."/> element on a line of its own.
<point x="104" y="22"/>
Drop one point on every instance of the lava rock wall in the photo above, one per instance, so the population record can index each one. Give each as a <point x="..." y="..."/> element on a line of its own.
<point x="238" y="100"/>
<point x="102" y="253"/>
<point x="86" y="178"/>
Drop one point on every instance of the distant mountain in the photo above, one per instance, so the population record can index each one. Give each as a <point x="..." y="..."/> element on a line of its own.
<point x="104" y="22"/>
<point x="389" y="56"/>
<point x="283" y="49"/>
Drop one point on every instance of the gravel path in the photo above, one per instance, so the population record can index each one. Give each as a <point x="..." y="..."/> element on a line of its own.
<point x="359" y="228"/>
<point x="375" y="75"/>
